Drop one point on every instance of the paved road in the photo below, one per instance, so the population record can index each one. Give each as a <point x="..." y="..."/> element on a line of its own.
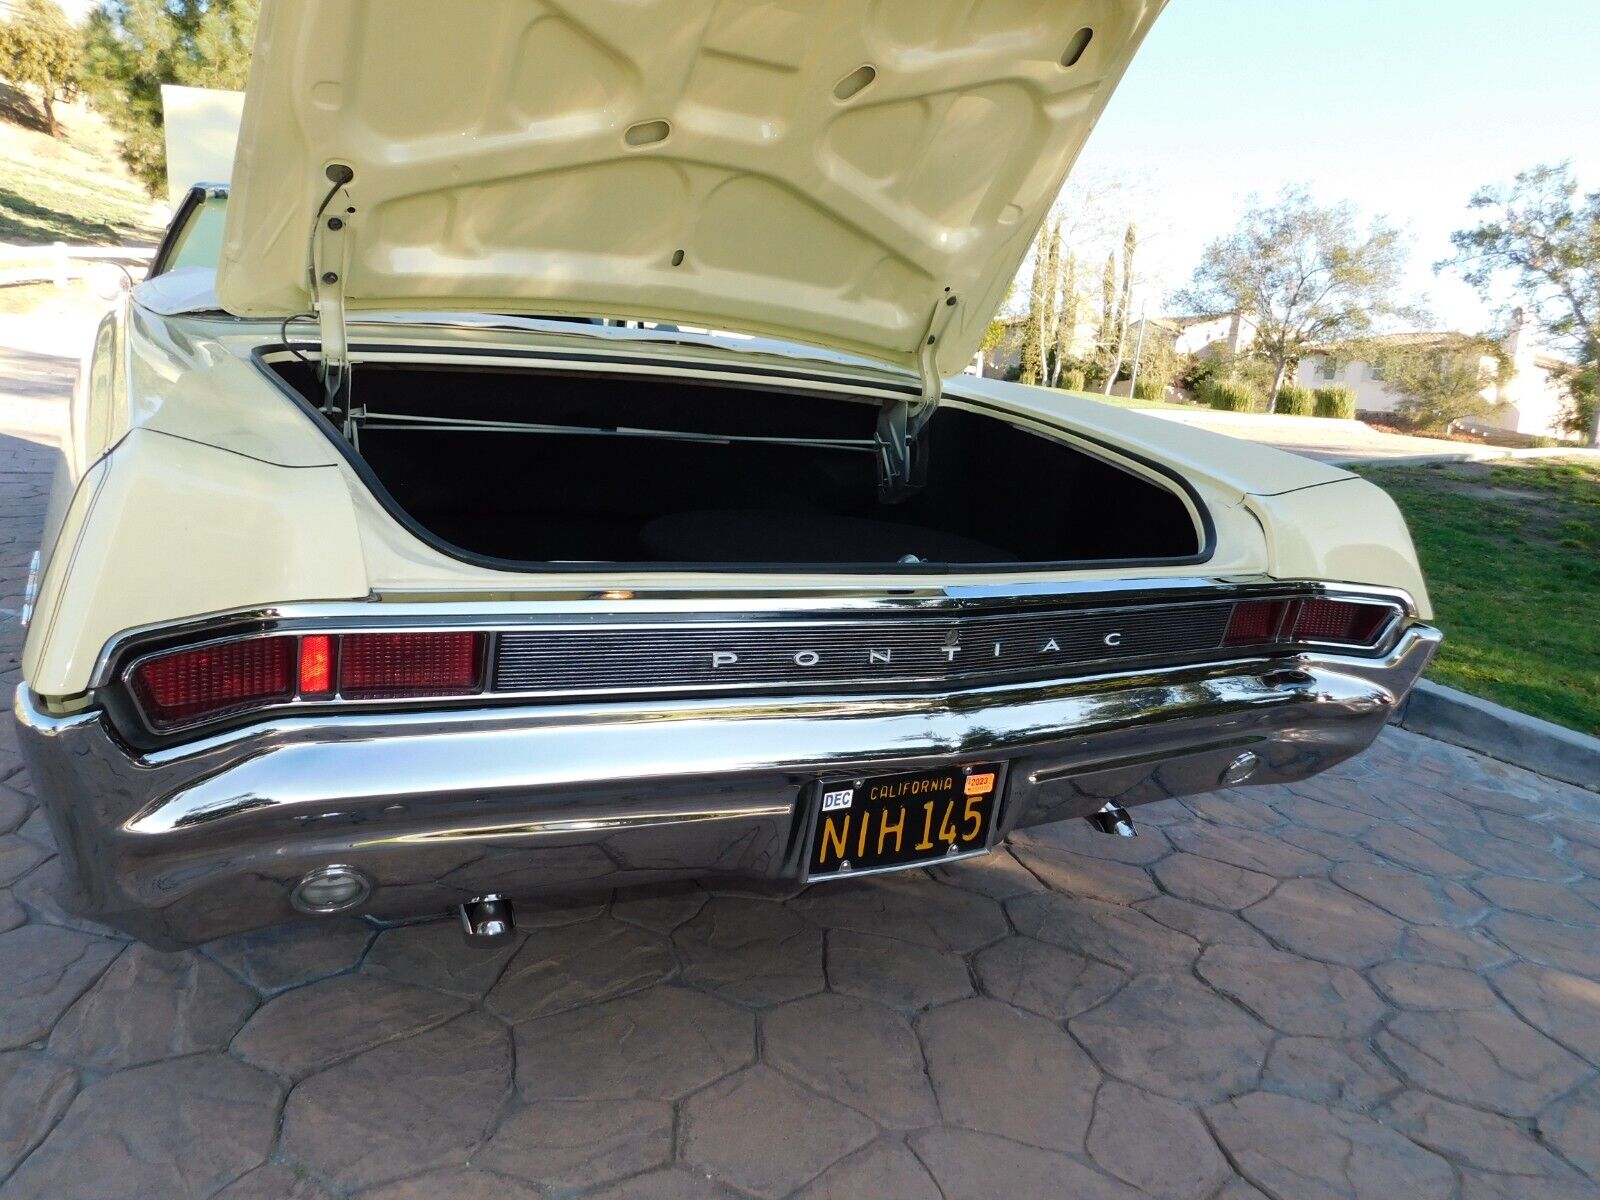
<point x="34" y="390"/>
<point x="1329" y="440"/>
<point x="1383" y="982"/>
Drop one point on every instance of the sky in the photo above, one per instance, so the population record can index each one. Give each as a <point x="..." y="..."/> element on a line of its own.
<point x="1404" y="107"/>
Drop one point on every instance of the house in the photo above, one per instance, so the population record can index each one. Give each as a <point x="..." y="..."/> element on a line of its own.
<point x="1528" y="399"/>
<point x="1005" y="360"/>
<point x="1206" y="336"/>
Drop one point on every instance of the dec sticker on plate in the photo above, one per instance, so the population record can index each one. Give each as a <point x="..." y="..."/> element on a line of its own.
<point x="834" y="801"/>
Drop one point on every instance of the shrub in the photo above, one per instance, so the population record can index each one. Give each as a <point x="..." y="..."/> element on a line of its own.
<point x="1230" y="395"/>
<point x="1336" y="402"/>
<point x="1577" y="409"/>
<point x="1196" y="372"/>
<point x="1072" y="380"/>
<point x="1148" y="389"/>
<point x="1296" y="401"/>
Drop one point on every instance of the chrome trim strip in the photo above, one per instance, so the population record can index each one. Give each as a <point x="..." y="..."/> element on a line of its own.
<point x="135" y="724"/>
<point x="536" y="829"/>
<point x="402" y="611"/>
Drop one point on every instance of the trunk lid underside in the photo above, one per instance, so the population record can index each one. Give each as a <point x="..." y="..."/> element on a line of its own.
<point x="865" y="178"/>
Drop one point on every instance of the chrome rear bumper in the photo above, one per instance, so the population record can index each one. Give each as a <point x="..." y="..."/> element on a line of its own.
<point x="182" y="845"/>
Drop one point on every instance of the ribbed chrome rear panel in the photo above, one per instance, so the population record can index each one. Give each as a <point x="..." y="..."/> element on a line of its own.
<point x="929" y="649"/>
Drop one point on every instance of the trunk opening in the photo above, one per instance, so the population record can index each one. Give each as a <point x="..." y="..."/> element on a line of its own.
<point x="668" y="472"/>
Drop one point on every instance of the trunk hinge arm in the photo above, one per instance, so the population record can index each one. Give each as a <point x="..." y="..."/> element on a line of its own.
<point x="901" y="461"/>
<point x="330" y="260"/>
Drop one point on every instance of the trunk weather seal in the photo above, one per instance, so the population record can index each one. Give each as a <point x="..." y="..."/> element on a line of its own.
<point x="390" y="505"/>
<point x="885" y="385"/>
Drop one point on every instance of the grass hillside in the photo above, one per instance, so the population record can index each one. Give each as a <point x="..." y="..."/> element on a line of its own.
<point x="71" y="189"/>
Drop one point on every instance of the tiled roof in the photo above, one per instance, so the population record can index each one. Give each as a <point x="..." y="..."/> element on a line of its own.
<point x="1415" y="338"/>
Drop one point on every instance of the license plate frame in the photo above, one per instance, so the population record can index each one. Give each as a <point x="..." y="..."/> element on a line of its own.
<point x="824" y="801"/>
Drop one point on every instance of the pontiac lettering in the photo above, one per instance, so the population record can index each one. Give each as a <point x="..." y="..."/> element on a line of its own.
<point x="837" y="661"/>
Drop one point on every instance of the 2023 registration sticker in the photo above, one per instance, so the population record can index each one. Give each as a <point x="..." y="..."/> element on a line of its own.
<point x="903" y="820"/>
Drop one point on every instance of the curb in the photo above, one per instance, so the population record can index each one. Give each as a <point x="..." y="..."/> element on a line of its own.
<point x="1436" y="711"/>
<point x="1475" y="455"/>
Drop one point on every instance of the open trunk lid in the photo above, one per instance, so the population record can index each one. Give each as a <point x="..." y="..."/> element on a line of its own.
<point x="859" y="176"/>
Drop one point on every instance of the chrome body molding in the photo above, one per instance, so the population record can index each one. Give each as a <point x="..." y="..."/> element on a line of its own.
<point x="742" y="605"/>
<point x="647" y="646"/>
<point x="187" y="843"/>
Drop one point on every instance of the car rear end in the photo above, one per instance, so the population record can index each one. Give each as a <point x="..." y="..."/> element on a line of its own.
<point x="290" y="705"/>
<point x="368" y="590"/>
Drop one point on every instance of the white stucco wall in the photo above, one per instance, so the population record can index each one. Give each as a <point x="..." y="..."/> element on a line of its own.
<point x="1530" y="402"/>
<point x="1372" y="395"/>
<point x="1229" y="331"/>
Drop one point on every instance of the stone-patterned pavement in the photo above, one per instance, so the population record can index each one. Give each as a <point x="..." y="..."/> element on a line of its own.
<point x="1382" y="982"/>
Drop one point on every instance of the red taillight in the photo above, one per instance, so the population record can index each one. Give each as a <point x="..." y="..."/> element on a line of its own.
<point x="1340" y="621"/>
<point x="1255" y="622"/>
<point x="316" y="665"/>
<point x="190" y="686"/>
<point x="1263" y="622"/>
<point x="213" y="680"/>
<point x="373" y="665"/>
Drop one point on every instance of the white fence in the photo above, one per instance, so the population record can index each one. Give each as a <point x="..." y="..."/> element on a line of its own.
<point x="59" y="263"/>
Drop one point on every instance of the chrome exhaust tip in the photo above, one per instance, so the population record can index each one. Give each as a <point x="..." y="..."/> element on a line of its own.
<point x="486" y="922"/>
<point x="331" y="889"/>
<point x="1113" y="819"/>
<point x="1241" y="768"/>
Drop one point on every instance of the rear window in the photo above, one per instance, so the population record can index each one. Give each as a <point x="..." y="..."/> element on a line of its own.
<point x="198" y="243"/>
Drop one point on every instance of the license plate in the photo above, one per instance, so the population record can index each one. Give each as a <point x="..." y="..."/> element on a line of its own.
<point x="889" y="822"/>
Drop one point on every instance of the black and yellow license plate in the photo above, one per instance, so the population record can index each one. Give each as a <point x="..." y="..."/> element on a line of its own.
<point x="887" y="822"/>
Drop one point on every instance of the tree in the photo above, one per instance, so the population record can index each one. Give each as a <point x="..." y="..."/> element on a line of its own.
<point x="1580" y="411"/>
<point x="132" y="47"/>
<point x="995" y="334"/>
<point x="1439" y="380"/>
<point x="1159" y="360"/>
<point x="38" y="47"/>
<point x="1106" y="331"/>
<point x="1119" y="331"/>
<point x="1048" y="314"/>
<point x="1032" y="356"/>
<point x="1546" y="238"/>
<point x="1304" y="274"/>
<point x="1066" y="317"/>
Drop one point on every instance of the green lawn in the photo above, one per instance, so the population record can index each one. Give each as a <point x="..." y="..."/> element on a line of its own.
<point x="1511" y="551"/>
<point x="72" y="188"/>
<point x="47" y="201"/>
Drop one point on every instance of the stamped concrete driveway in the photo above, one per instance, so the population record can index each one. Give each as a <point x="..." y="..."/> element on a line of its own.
<point x="1379" y="983"/>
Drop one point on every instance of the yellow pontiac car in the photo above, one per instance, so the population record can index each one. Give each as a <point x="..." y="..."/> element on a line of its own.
<point x="546" y="467"/>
